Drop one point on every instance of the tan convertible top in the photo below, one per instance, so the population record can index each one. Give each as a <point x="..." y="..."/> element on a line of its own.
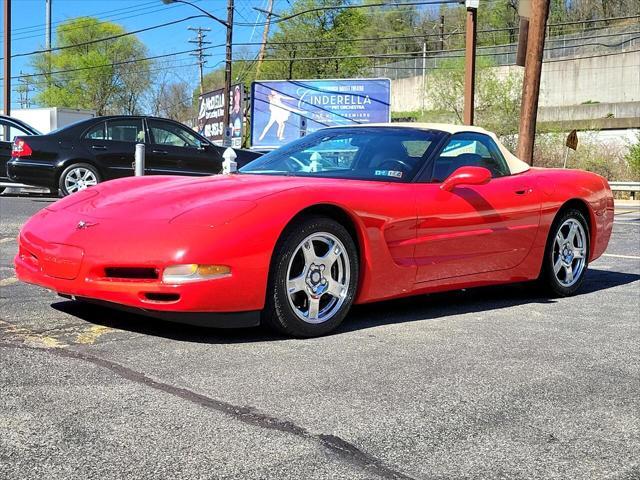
<point x="515" y="164"/>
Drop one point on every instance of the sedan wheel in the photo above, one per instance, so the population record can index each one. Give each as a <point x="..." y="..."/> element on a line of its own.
<point x="313" y="278"/>
<point x="567" y="255"/>
<point x="78" y="177"/>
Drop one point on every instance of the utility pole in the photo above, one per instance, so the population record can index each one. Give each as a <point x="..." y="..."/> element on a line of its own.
<point x="470" y="61"/>
<point x="265" y="35"/>
<point x="7" y="58"/>
<point x="424" y="73"/>
<point x="48" y="24"/>
<point x="199" y="53"/>
<point x="441" y="39"/>
<point x="47" y="38"/>
<point x="226" y="140"/>
<point x="531" y="83"/>
<point x="23" y="90"/>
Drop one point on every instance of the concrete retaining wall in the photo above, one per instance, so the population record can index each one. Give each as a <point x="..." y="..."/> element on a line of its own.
<point x="605" y="79"/>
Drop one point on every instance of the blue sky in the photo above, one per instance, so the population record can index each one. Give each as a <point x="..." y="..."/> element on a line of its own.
<point x="28" y="28"/>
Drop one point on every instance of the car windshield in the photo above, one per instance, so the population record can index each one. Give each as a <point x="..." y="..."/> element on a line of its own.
<point x="362" y="153"/>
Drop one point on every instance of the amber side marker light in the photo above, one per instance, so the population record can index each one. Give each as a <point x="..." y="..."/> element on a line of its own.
<point x="194" y="272"/>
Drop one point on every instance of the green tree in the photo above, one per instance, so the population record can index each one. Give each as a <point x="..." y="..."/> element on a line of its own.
<point x="93" y="75"/>
<point x="321" y="28"/>
<point x="633" y="156"/>
<point x="497" y="102"/>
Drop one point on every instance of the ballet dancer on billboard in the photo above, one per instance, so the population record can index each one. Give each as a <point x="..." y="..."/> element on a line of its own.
<point x="280" y="113"/>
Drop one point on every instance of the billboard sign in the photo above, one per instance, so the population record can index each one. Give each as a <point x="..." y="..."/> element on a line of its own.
<point x="211" y="114"/>
<point x="283" y="110"/>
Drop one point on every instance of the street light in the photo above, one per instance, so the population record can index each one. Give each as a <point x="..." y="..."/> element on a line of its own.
<point x="227" y="71"/>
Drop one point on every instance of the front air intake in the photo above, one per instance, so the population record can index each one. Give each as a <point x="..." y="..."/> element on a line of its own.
<point x="131" y="273"/>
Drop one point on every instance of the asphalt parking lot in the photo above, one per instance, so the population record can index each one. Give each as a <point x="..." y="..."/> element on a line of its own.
<point x="482" y="384"/>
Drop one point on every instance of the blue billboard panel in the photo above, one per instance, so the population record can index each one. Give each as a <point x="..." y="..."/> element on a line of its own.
<point x="283" y="110"/>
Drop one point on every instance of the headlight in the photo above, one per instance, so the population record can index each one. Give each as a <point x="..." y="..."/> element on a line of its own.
<point x="194" y="272"/>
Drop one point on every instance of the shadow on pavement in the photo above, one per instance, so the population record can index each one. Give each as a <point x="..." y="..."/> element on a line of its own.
<point x="423" y="307"/>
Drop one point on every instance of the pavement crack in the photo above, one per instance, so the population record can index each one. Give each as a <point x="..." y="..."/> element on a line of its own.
<point x="345" y="450"/>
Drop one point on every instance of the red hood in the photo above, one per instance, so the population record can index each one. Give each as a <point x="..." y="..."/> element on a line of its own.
<point x="163" y="198"/>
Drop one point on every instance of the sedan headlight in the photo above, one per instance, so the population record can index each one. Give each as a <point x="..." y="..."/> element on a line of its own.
<point x="194" y="272"/>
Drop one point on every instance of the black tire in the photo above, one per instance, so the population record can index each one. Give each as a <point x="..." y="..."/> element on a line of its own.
<point x="548" y="278"/>
<point x="278" y="312"/>
<point x="61" y="180"/>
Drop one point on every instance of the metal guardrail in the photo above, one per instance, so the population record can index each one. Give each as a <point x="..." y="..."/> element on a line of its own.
<point x="625" y="186"/>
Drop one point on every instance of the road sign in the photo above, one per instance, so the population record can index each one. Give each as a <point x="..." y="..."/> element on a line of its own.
<point x="572" y="140"/>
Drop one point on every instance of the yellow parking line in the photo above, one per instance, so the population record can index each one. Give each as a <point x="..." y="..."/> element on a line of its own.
<point x="8" y="281"/>
<point x="90" y="336"/>
<point x="30" y="337"/>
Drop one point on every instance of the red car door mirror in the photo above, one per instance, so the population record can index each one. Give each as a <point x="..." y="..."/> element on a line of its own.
<point x="466" y="176"/>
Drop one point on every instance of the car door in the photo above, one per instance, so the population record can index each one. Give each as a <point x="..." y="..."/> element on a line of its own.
<point x="474" y="228"/>
<point x="8" y="131"/>
<point x="112" y="144"/>
<point x="178" y="150"/>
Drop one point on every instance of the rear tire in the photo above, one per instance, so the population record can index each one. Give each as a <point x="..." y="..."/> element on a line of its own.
<point x="313" y="278"/>
<point x="76" y="177"/>
<point x="566" y="255"/>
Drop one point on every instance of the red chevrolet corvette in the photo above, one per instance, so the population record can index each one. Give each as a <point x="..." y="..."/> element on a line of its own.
<point x="344" y="215"/>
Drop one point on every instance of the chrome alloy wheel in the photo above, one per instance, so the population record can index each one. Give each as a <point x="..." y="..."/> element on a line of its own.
<point x="78" y="179"/>
<point x="318" y="277"/>
<point x="569" y="252"/>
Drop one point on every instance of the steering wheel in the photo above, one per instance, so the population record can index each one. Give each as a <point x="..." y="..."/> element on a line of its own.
<point x="395" y="164"/>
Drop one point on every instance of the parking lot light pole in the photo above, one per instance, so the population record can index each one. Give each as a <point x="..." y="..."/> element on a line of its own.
<point x="227" y="71"/>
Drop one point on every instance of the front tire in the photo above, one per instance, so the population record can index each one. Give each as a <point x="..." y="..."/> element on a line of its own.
<point x="313" y="278"/>
<point x="567" y="253"/>
<point x="77" y="177"/>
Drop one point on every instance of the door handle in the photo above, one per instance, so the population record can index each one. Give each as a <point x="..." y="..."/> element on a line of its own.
<point x="98" y="147"/>
<point x="160" y="152"/>
<point x="523" y="191"/>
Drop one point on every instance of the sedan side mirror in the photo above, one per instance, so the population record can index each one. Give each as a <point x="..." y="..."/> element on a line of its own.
<point x="466" y="176"/>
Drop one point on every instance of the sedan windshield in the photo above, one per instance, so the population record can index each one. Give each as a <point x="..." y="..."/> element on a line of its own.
<point x="362" y="153"/>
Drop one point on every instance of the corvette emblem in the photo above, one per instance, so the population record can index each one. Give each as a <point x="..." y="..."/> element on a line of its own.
<point x="82" y="225"/>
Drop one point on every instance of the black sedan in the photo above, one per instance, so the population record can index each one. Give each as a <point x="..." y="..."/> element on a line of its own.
<point x="9" y="129"/>
<point x="103" y="148"/>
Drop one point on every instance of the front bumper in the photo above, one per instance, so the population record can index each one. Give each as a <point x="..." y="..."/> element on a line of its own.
<point x="198" y="319"/>
<point x="81" y="273"/>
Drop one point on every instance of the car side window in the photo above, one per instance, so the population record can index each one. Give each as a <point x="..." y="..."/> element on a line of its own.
<point x="165" y="133"/>
<point x="125" y="130"/>
<point x="8" y="132"/>
<point x="97" y="132"/>
<point x="469" y="149"/>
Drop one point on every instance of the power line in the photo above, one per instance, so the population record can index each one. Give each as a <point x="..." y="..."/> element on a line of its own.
<point x="104" y="39"/>
<point x="345" y="7"/>
<point x="113" y="64"/>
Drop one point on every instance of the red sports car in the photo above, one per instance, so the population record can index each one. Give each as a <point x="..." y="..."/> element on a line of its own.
<point x="344" y="215"/>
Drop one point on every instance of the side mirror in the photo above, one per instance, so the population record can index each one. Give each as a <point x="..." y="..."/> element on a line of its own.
<point x="466" y="176"/>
